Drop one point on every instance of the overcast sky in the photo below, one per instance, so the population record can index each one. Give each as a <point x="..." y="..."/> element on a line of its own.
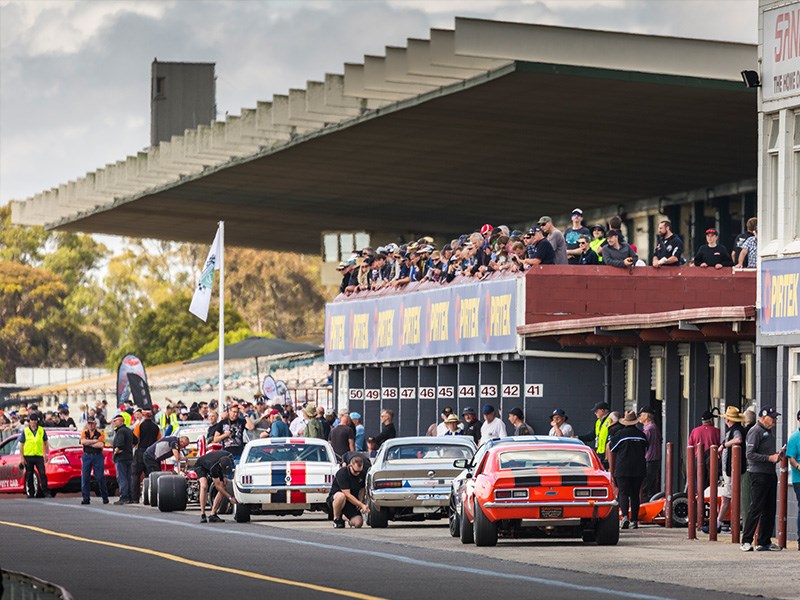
<point x="75" y="76"/>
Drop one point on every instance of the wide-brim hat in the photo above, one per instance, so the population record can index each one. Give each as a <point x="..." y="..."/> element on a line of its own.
<point x="452" y="419"/>
<point x="732" y="414"/>
<point x="310" y="410"/>
<point x="630" y="418"/>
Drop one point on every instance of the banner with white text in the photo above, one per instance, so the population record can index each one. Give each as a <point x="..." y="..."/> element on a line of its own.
<point x="475" y="318"/>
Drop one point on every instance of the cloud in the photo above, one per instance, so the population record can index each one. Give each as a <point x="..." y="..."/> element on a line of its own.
<point x="75" y="76"/>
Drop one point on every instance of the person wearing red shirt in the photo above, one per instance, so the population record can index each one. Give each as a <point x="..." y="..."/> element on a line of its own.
<point x="708" y="435"/>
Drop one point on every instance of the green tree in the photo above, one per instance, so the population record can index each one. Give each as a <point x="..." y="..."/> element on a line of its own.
<point x="169" y="332"/>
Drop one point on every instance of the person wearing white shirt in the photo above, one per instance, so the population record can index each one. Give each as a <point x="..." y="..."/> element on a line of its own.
<point x="298" y="425"/>
<point x="441" y="428"/>
<point x="492" y="428"/>
<point x="559" y="426"/>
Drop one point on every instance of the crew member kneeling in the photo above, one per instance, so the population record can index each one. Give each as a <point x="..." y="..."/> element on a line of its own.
<point x="216" y="466"/>
<point x="347" y="494"/>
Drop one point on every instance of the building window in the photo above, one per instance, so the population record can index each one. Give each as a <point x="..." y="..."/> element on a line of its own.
<point x="796" y="175"/>
<point x="769" y="229"/>
<point x="340" y="246"/>
<point x="160" y="88"/>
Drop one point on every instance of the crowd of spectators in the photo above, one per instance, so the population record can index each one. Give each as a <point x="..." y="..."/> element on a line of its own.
<point x="501" y="249"/>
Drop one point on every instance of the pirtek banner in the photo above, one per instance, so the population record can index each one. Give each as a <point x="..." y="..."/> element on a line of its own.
<point x="473" y="318"/>
<point x="779" y="296"/>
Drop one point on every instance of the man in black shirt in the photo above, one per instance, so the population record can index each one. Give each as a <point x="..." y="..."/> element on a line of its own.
<point x="343" y="437"/>
<point x="388" y="430"/>
<point x="347" y="494"/>
<point x="669" y="247"/>
<point x="123" y="457"/>
<point x="216" y="466"/>
<point x="538" y="250"/>
<point x="472" y="425"/>
<point x="230" y="431"/>
<point x="148" y="434"/>
<point x="712" y="254"/>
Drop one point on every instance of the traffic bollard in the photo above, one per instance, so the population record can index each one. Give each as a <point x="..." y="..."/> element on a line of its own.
<point x="736" y="493"/>
<point x="691" y="484"/>
<point x="668" y="487"/>
<point x="713" y="479"/>
<point x="701" y="488"/>
<point x="783" y="490"/>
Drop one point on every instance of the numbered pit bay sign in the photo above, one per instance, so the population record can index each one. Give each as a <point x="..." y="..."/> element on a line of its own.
<point x="510" y="390"/>
<point x="427" y="393"/>
<point x="389" y="393"/>
<point x="356" y="394"/>
<point x="488" y="391"/>
<point x="446" y="392"/>
<point x="466" y="391"/>
<point x="408" y="393"/>
<point x="372" y="394"/>
<point x="534" y="390"/>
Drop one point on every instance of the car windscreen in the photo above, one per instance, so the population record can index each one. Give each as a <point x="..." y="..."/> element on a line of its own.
<point x="530" y="459"/>
<point x="57" y="442"/>
<point x="428" y="452"/>
<point x="193" y="433"/>
<point x="287" y="453"/>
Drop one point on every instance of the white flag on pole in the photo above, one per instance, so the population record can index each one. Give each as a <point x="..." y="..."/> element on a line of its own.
<point x="202" y="293"/>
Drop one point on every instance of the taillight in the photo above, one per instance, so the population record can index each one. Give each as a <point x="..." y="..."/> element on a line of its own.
<point x="511" y="494"/>
<point x="388" y="483"/>
<point x="591" y="492"/>
<point x="59" y="459"/>
<point x="247" y="479"/>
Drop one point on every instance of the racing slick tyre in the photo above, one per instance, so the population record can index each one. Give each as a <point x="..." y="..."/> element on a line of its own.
<point x="465" y="529"/>
<point x="455" y="522"/>
<point x="485" y="530"/>
<point x="680" y="510"/>
<point x="378" y="517"/>
<point x="225" y="507"/>
<point x="146" y="491"/>
<point x="607" y="532"/>
<point x="172" y="493"/>
<point x="241" y="513"/>
<point x="154" y="477"/>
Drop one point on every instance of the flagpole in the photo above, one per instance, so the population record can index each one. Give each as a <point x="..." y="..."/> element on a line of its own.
<point x="221" y="314"/>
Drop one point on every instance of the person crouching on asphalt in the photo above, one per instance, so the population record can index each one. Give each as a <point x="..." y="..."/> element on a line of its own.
<point x="216" y="466"/>
<point x="347" y="493"/>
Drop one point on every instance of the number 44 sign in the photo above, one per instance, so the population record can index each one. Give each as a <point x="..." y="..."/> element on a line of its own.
<point x="534" y="390"/>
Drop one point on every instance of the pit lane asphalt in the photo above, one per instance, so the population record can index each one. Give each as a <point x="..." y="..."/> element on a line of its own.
<point x="412" y="560"/>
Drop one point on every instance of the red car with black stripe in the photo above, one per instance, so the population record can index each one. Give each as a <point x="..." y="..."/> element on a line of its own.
<point x="283" y="476"/>
<point x="63" y="466"/>
<point x="534" y="486"/>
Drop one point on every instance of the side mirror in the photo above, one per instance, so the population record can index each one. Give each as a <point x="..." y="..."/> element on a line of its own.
<point x="461" y="463"/>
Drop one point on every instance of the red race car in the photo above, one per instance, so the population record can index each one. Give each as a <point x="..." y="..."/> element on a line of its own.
<point x="534" y="486"/>
<point x="63" y="466"/>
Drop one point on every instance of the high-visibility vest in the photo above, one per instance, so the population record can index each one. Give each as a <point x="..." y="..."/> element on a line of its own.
<point x="126" y="418"/>
<point x="601" y="434"/>
<point x="33" y="444"/>
<point x="173" y="420"/>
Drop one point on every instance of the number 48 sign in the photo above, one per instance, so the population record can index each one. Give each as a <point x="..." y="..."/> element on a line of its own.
<point x="534" y="390"/>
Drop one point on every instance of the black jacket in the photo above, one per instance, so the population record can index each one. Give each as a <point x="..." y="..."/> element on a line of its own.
<point x="629" y="446"/>
<point x="123" y="444"/>
<point x="148" y="434"/>
<point x="387" y="432"/>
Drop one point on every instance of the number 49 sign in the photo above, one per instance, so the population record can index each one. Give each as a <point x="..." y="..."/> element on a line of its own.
<point x="534" y="390"/>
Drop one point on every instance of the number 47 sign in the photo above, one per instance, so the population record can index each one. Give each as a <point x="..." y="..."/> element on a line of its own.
<point x="534" y="390"/>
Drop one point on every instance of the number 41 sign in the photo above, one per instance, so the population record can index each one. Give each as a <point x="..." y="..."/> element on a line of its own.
<point x="534" y="390"/>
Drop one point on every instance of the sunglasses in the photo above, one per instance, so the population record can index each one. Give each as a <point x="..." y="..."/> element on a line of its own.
<point x="581" y="243"/>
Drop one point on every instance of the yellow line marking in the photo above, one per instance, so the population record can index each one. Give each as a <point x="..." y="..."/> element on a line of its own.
<point x="202" y="565"/>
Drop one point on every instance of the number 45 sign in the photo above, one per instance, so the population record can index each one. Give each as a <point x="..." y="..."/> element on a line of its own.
<point x="534" y="390"/>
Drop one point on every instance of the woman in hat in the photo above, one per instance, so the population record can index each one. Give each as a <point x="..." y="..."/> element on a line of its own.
<point x="629" y="445"/>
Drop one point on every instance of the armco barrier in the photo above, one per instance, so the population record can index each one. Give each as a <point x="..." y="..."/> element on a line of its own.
<point x="20" y="586"/>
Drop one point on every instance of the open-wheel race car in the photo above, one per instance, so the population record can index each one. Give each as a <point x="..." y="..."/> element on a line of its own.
<point x="534" y="486"/>
<point x="411" y="478"/>
<point x="283" y="476"/>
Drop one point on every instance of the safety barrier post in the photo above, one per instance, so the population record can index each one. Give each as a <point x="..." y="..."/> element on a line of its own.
<point x="783" y="489"/>
<point x="713" y="479"/>
<point x="736" y="493"/>
<point x="701" y="488"/>
<point x="668" y="487"/>
<point x="691" y="483"/>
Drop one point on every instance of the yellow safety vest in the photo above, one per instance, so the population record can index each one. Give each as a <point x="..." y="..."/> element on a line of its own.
<point x="601" y="434"/>
<point x="33" y="444"/>
<point x="126" y="417"/>
<point x="173" y="420"/>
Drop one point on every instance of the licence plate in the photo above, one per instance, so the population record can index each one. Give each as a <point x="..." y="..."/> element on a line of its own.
<point x="432" y="496"/>
<point x="555" y="512"/>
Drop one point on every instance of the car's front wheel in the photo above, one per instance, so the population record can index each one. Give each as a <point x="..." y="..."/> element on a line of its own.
<point x="485" y="530"/>
<point x="680" y="510"/>
<point x="455" y="522"/>
<point x="465" y="529"/>
<point x="146" y="491"/>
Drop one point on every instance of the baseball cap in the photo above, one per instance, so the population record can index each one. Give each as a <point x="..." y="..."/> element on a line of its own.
<point x="355" y="415"/>
<point x="487" y="408"/>
<point x="559" y="412"/>
<point x="601" y="406"/>
<point x="647" y="410"/>
<point x="577" y="211"/>
<point x="91" y="419"/>
<point x="33" y="416"/>
<point x="598" y="227"/>
<point x="769" y="412"/>
<point x="468" y="411"/>
<point x="533" y="230"/>
<point x="274" y="411"/>
<point x="486" y="229"/>
<point x="517" y="412"/>
<point x="118" y="416"/>
<point x="712" y="231"/>
<point x="185" y="411"/>
<point x="545" y="219"/>
<point x="447" y="410"/>
<point x="707" y="416"/>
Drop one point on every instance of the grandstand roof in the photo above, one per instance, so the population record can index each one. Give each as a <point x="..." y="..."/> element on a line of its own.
<point x="492" y="120"/>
